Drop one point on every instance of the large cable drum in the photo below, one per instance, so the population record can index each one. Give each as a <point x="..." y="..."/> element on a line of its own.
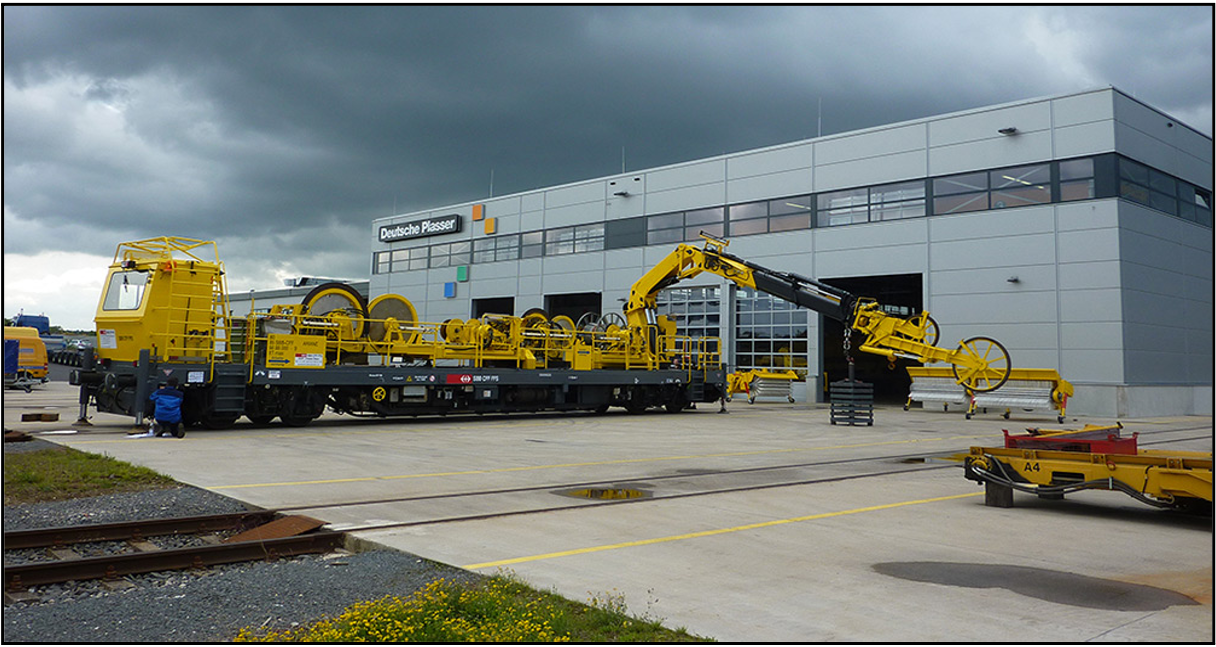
<point x="387" y="309"/>
<point x="340" y="303"/>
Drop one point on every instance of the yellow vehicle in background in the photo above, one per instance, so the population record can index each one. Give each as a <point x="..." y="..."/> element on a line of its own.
<point x="32" y="362"/>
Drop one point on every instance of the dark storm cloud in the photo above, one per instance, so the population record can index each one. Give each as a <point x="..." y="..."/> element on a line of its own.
<point x="290" y="128"/>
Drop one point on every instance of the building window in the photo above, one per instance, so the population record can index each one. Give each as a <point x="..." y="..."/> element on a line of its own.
<point x="783" y="214"/>
<point x="498" y="248"/>
<point x="770" y="333"/>
<point x="685" y="225"/>
<point x="959" y="193"/>
<point x="401" y="260"/>
<point x="532" y="244"/>
<point x="452" y="254"/>
<point x="788" y="214"/>
<point x="1195" y="204"/>
<point x="1149" y="187"/>
<point x="883" y="202"/>
<point x="1077" y="179"/>
<point x="1018" y="186"/>
<point x="574" y="240"/>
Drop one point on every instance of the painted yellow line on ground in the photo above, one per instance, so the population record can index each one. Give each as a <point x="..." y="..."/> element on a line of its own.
<point x="710" y="533"/>
<point x="625" y="461"/>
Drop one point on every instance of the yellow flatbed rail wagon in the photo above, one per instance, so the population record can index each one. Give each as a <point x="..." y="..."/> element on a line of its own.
<point x="164" y="313"/>
<point x="1052" y="463"/>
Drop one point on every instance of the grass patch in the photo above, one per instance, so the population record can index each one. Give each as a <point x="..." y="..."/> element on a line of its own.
<point x="496" y="609"/>
<point x="63" y="473"/>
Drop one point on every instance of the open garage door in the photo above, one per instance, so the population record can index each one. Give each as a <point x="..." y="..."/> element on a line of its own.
<point x="902" y="295"/>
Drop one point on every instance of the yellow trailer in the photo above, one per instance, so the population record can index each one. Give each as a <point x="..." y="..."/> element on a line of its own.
<point x="1052" y="463"/>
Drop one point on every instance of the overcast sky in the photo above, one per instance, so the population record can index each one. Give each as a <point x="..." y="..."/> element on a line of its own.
<point x="282" y="132"/>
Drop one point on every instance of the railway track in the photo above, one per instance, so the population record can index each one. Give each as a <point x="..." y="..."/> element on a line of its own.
<point x="258" y="535"/>
<point x="657" y="487"/>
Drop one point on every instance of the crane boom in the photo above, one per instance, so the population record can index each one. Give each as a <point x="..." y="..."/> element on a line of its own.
<point x="980" y="364"/>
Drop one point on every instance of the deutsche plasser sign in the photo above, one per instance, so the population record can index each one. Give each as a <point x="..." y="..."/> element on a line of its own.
<point x="420" y="228"/>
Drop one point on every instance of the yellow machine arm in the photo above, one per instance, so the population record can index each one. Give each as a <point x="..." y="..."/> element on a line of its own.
<point x="980" y="364"/>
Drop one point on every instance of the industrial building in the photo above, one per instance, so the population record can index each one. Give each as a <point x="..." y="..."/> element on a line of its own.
<point x="1075" y="229"/>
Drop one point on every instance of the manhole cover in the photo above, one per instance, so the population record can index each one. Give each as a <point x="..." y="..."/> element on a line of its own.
<point x="606" y="493"/>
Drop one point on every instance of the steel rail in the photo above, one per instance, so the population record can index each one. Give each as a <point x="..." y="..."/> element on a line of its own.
<point x="135" y="530"/>
<point x="18" y="578"/>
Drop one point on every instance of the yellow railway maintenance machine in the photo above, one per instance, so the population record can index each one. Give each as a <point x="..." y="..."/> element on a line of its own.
<point x="979" y="364"/>
<point x="1051" y="463"/>
<point x="164" y="312"/>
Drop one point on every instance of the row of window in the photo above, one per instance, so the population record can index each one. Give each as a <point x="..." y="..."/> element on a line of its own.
<point x="1102" y="176"/>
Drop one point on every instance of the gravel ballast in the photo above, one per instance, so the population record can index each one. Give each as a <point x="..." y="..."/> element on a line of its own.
<point x="199" y="606"/>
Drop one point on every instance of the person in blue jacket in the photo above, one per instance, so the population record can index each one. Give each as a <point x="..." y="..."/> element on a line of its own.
<point x="168" y="414"/>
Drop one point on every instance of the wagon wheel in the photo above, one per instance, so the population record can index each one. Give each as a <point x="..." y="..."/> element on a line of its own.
<point x="988" y="361"/>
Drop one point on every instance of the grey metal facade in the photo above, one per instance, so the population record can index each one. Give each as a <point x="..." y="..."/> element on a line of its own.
<point x="1098" y="204"/>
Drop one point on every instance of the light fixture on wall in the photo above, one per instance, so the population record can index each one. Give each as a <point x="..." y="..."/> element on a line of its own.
<point x="1013" y="279"/>
<point x="1008" y="131"/>
<point x="623" y="194"/>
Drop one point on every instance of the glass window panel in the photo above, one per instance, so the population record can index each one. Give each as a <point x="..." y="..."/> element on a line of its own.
<point x="694" y="233"/>
<point x="126" y="290"/>
<point x="664" y="236"/>
<point x="588" y="245"/>
<point x="762" y="318"/>
<point x="839" y="199"/>
<point x="1017" y="197"/>
<point x="748" y="227"/>
<point x="1130" y="170"/>
<point x="508" y="242"/>
<point x="383" y="268"/>
<point x="898" y="192"/>
<point x="418" y="263"/>
<point x="748" y="211"/>
<point x="796" y="204"/>
<point x="1029" y="176"/>
<point x="960" y="203"/>
<point x="1077" y="169"/>
<point x="843" y="216"/>
<point x="440" y="261"/>
<point x="1133" y="192"/>
<point x="789" y="223"/>
<point x="965" y="183"/>
<point x="400" y="255"/>
<point x="419" y="253"/>
<point x="483" y="244"/>
<point x="531" y="251"/>
<point x="560" y="234"/>
<point x="898" y="210"/>
<point x="559" y="247"/>
<point x="1203" y="199"/>
<point x="1082" y="190"/>
<point x="1187" y="211"/>
<point x="702" y="216"/>
<point x="461" y="247"/>
<point x="666" y="221"/>
<point x="533" y="237"/>
<point x="1159" y="181"/>
<point x="1163" y="202"/>
<point x="484" y="256"/>
<point x="440" y="250"/>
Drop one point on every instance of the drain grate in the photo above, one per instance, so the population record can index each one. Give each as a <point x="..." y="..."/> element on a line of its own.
<point x="606" y="493"/>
